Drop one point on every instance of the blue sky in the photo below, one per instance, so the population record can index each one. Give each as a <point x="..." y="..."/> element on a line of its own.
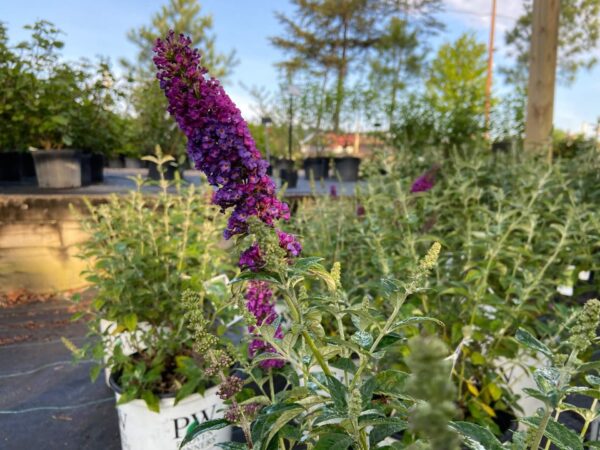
<point x="99" y="28"/>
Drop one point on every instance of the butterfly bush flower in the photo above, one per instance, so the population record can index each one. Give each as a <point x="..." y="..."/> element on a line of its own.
<point x="220" y="145"/>
<point x="258" y="302"/>
<point x="426" y="181"/>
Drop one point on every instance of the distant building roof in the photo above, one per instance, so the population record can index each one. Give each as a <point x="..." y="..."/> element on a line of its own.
<point x="356" y="144"/>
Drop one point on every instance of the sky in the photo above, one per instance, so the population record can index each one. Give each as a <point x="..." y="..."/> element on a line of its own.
<point x="99" y="27"/>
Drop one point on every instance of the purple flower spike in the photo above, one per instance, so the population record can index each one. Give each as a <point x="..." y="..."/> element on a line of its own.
<point x="220" y="145"/>
<point x="426" y="181"/>
<point x="258" y="302"/>
<point x="219" y="141"/>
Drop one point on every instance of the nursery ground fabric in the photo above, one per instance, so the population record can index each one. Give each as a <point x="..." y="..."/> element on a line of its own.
<point x="41" y="391"/>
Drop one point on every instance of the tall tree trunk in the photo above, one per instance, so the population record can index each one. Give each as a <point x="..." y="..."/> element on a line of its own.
<point x="542" y="76"/>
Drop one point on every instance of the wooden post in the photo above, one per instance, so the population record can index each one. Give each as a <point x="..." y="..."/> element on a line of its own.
<point x="542" y="76"/>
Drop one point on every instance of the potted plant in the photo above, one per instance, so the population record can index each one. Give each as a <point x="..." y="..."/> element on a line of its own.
<point x="346" y="168"/>
<point x="288" y="173"/>
<point x="316" y="168"/>
<point x="145" y="251"/>
<point x="15" y="103"/>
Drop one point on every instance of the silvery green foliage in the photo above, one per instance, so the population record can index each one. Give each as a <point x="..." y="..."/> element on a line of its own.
<point x="339" y="392"/>
<point x="510" y="227"/>
<point x="564" y="374"/>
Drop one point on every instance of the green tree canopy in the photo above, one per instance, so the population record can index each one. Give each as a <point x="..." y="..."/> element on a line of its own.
<point x="152" y="125"/>
<point x="578" y="36"/>
<point x="456" y="88"/>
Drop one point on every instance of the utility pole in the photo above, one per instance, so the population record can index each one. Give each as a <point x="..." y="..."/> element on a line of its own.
<point x="490" y="68"/>
<point x="542" y="76"/>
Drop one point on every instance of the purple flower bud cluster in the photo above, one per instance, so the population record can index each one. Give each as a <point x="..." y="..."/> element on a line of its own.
<point x="219" y="141"/>
<point x="258" y="302"/>
<point x="220" y="145"/>
<point x="426" y="181"/>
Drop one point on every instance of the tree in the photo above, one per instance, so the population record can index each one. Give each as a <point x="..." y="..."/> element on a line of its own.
<point x="578" y="36"/>
<point x="396" y="59"/>
<point x="152" y="125"/>
<point x="182" y="16"/>
<point x="456" y="89"/>
<point x="330" y="34"/>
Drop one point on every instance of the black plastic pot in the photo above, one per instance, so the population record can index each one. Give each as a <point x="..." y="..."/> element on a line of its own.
<point x="501" y="146"/>
<point x="316" y="168"/>
<point x="58" y="168"/>
<point x="27" y="165"/>
<point x="508" y="424"/>
<point x="168" y="172"/>
<point x="86" y="168"/>
<point x="289" y="176"/>
<point x="347" y="168"/>
<point x="133" y="163"/>
<point x="116" y="162"/>
<point x="97" y="163"/>
<point x="10" y="166"/>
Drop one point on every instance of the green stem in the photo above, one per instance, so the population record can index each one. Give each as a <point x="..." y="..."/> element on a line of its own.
<point x="290" y="301"/>
<point x="542" y="428"/>
<point x="587" y="420"/>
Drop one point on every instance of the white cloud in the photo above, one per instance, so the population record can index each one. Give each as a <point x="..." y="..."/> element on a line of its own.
<point x="476" y="13"/>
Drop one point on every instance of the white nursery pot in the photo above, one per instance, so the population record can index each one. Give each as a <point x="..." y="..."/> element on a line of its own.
<point x="110" y="339"/>
<point x="142" y="429"/>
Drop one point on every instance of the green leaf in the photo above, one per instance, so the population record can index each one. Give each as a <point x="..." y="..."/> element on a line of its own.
<point x="261" y="276"/>
<point x="266" y="418"/>
<point x="561" y="436"/>
<point x="362" y="338"/>
<point x="130" y="321"/>
<point x="94" y="372"/>
<point x="151" y="401"/>
<point x="307" y="263"/>
<point x="593" y="380"/>
<point x="232" y="446"/>
<point x="529" y="341"/>
<point x="338" y="393"/>
<point x="417" y="320"/>
<point x="196" y="429"/>
<point x="334" y="441"/>
<point x="391" y="382"/>
<point x="380" y="432"/>
<point x="476" y="437"/>
<point x="282" y="419"/>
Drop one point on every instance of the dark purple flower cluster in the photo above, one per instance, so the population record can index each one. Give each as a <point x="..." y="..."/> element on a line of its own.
<point x="422" y="184"/>
<point x="258" y="302"/>
<point x="219" y="141"/>
<point x="289" y="243"/>
<point x="426" y="181"/>
<point x="251" y="258"/>
<point x="220" y="144"/>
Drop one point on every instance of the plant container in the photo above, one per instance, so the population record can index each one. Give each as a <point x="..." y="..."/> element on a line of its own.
<point x="27" y="165"/>
<point x="142" y="429"/>
<point x="316" y="168"/>
<point x="86" y="169"/>
<point x="10" y="166"/>
<point x="168" y="172"/>
<point x="133" y="163"/>
<point x="290" y="177"/>
<point x="347" y="168"/>
<point x="58" y="168"/>
<point x="501" y="146"/>
<point x="97" y="162"/>
<point x="116" y="162"/>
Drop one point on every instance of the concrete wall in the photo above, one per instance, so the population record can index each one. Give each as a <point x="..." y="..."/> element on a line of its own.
<point x="38" y="243"/>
